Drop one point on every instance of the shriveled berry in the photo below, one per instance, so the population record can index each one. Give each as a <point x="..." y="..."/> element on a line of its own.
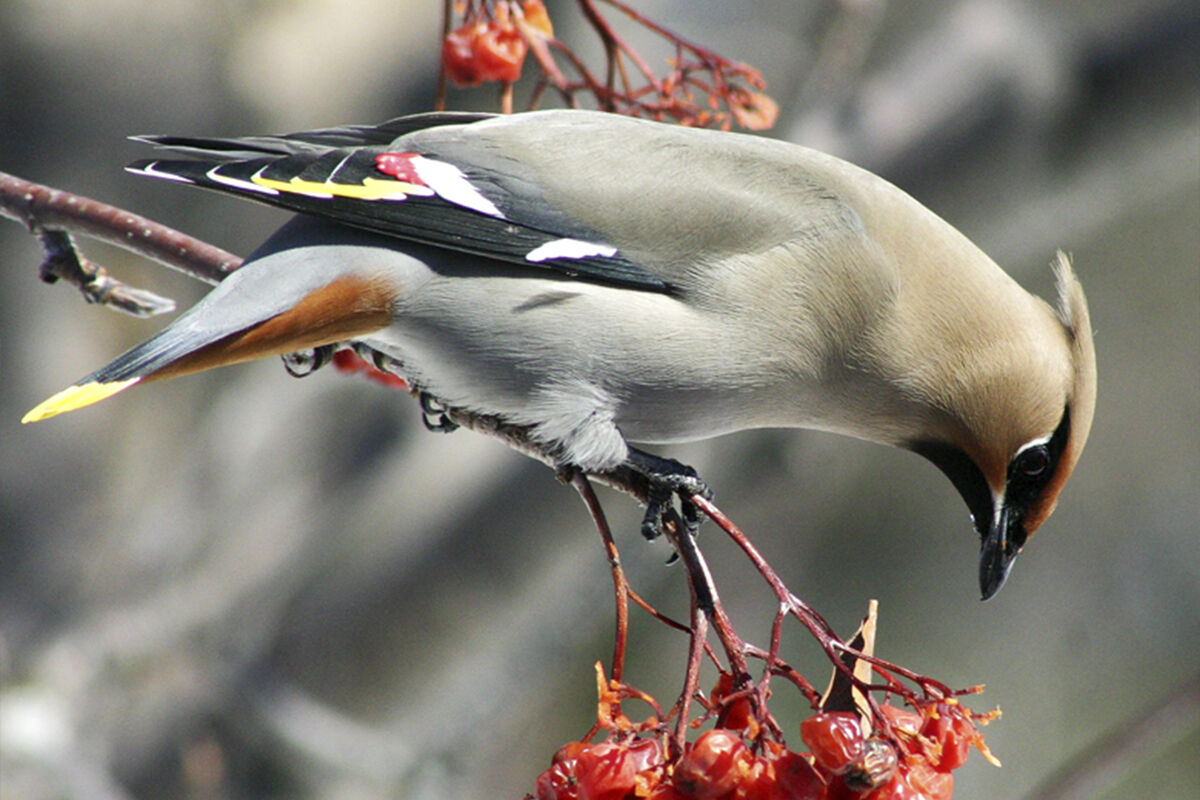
<point x="736" y="715"/>
<point x="714" y="765"/>
<point x="874" y="767"/>
<point x="835" y="738"/>
<point x="953" y="733"/>
<point x="557" y="783"/>
<point x="644" y="754"/>
<point x="500" y="52"/>
<point x="930" y="783"/>
<point x="458" y="56"/>
<point x="902" y="719"/>
<point x="605" y="771"/>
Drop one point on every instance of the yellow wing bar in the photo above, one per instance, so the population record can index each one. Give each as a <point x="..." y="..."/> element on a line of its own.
<point x="369" y="189"/>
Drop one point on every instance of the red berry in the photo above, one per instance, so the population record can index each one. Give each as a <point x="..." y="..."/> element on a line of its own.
<point x="835" y="738"/>
<point x="796" y="774"/>
<point x="500" y="52"/>
<point x="903" y="719"/>
<point x="781" y="775"/>
<point x="932" y="784"/>
<point x="758" y="783"/>
<point x="953" y="732"/>
<point x="666" y="792"/>
<point x="645" y="754"/>
<point x="569" y="752"/>
<point x="458" y="56"/>
<point x="485" y="50"/>
<point x="557" y="783"/>
<point x="605" y="771"/>
<point x="714" y="765"/>
<point x="737" y="715"/>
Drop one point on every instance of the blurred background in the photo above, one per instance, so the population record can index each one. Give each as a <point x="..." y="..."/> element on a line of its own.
<point x="241" y="585"/>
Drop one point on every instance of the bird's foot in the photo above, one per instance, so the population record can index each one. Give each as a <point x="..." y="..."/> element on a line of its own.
<point x="435" y="414"/>
<point x="305" y="362"/>
<point x="667" y="479"/>
<point x="382" y="361"/>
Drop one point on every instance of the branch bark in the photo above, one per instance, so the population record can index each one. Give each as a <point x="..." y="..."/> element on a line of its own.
<point x="53" y="214"/>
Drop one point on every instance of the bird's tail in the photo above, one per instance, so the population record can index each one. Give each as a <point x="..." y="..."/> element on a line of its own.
<point x="268" y="307"/>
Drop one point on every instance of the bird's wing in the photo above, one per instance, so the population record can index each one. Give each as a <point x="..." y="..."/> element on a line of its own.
<point x="448" y="194"/>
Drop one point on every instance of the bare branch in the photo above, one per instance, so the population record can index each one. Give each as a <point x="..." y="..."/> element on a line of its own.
<point x="42" y="208"/>
<point x="63" y="260"/>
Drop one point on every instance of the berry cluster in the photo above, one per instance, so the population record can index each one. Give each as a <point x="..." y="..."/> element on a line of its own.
<point x="491" y="38"/>
<point x="843" y="763"/>
<point x="349" y="362"/>
<point x="489" y="47"/>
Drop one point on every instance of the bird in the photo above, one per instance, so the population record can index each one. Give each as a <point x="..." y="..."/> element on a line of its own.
<point x="603" y="282"/>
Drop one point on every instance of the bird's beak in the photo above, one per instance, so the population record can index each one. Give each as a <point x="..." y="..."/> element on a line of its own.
<point x="998" y="552"/>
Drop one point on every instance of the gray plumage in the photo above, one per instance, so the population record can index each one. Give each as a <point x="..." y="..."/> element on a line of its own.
<point x="697" y="283"/>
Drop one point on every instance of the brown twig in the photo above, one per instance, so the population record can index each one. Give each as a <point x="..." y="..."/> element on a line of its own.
<point x="439" y="98"/>
<point x="620" y="584"/>
<point x="706" y="607"/>
<point x="42" y="208"/>
<point x="835" y="648"/>
<point x="698" y="636"/>
<point x="64" y="261"/>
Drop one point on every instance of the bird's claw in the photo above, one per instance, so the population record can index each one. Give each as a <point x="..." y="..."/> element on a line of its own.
<point x="305" y="362"/>
<point x="435" y="415"/>
<point x="667" y="479"/>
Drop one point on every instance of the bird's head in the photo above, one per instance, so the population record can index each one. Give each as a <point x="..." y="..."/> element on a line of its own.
<point x="1017" y="434"/>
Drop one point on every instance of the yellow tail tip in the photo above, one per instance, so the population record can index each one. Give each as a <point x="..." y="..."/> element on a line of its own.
<point x="74" y="397"/>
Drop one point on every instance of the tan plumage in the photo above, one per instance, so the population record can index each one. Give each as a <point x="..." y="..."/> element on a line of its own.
<point x="604" y="280"/>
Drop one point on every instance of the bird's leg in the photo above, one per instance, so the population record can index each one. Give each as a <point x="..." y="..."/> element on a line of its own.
<point x="434" y="414"/>
<point x="306" y="362"/>
<point x="666" y="478"/>
<point x="382" y="361"/>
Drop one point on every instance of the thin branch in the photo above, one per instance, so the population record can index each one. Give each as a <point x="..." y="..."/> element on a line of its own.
<point x="439" y="99"/>
<point x="1100" y="766"/>
<point x="42" y="208"/>
<point x="614" y="45"/>
<point x="691" y="678"/>
<point x="732" y="92"/>
<point x="64" y="261"/>
<point x="620" y="584"/>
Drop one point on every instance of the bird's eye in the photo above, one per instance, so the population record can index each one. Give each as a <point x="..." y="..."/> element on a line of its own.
<point x="1033" y="462"/>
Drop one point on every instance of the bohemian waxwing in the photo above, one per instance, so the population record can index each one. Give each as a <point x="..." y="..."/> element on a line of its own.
<point x="601" y="280"/>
